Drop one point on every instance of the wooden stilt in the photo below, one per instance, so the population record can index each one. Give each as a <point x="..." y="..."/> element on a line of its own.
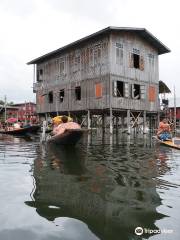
<point x="103" y="123"/>
<point x="122" y="122"/>
<point x="117" y="122"/>
<point x="144" y="122"/>
<point x="89" y="119"/>
<point x="128" y="122"/>
<point x="111" y="121"/>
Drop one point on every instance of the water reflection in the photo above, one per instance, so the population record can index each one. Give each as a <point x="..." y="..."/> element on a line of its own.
<point x="111" y="188"/>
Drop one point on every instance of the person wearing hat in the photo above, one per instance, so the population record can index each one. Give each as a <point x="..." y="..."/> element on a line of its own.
<point x="56" y="122"/>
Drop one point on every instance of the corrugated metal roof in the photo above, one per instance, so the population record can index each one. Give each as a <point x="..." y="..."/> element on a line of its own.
<point x="8" y="107"/>
<point x="145" y="34"/>
<point x="163" y="88"/>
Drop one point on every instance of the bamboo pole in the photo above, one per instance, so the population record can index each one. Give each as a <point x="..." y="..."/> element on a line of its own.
<point x="174" y="110"/>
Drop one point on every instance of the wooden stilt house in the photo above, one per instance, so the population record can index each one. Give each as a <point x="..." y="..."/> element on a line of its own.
<point x="112" y="72"/>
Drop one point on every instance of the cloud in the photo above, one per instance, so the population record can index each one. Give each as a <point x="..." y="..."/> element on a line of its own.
<point x="19" y="8"/>
<point x="32" y="28"/>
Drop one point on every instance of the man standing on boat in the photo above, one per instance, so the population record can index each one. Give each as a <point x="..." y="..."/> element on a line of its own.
<point x="164" y="130"/>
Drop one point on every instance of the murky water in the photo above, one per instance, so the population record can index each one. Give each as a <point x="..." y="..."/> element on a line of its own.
<point x="102" y="189"/>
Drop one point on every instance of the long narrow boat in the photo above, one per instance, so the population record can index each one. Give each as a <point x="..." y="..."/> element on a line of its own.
<point x="20" y="131"/>
<point x="174" y="143"/>
<point x="69" y="137"/>
<point x="34" y="128"/>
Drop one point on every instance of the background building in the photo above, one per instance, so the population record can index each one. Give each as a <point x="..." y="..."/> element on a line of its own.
<point x="26" y="111"/>
<point x="11" y="111"/>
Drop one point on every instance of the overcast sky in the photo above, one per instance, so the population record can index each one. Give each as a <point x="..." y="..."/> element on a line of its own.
<point x="29" y="29"/>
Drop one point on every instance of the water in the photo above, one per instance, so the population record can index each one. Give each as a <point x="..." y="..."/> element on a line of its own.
<point x="102" y="189"/>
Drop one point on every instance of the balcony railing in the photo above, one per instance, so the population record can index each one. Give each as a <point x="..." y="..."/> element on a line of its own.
<point x="36" y="87"/>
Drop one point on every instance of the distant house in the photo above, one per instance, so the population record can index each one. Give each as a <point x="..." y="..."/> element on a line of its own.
<point x="115" y="70"/>
<point x="171" y="109"/>
<point x="11" y="111"/>
<point x="25" y="111"/>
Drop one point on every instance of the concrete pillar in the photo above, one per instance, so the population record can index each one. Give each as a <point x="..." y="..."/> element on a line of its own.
<point x="111" y="121"/>
<point x="128" y="122"/>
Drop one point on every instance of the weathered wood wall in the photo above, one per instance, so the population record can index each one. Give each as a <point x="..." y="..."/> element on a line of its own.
<point x="96" y="62"/>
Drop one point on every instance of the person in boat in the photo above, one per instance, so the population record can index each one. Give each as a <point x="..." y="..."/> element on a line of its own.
<point x="56" y="121"/>
<point x="16" y="125"/>
<point x="66" y="125"/>
<point x="164" y="130"/>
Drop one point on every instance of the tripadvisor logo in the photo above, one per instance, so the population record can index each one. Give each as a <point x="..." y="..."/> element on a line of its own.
<point x="138" y="231"/>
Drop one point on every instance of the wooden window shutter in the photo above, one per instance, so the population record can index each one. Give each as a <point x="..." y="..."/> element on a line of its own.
<point x="152" y="94"/>
<point x="131" y="62"/>
<point x="98" y="90"/>
<point x="143" y="91"/>
<point x="141" y="63"/>
<point x="126" y="90"/>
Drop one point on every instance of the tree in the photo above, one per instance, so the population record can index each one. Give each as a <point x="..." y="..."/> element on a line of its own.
<point x="1" y="102"/>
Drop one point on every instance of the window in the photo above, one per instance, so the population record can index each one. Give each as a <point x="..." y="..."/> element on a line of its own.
<point x="151" y="59"/>
<point x="119" y="54"/>
<point x="136" y="61"/>
<point x="61" y="67"/>
<point x="50" y="97"/>
<point x="98" y="90"/>
<point x="61" y="95"/>
<point x="78" y="93"/>
<point x="118" y="89"/>
<point x="39" y="75"/>
<point x="136" y="91"/>
<point x="77" y="63"/>
<point x="97" y="55"/>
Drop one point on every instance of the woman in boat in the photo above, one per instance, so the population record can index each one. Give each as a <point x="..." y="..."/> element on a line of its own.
<point x="66" y="124"/>
<point x="164" y="130"/>
<point x="56" y="121"/>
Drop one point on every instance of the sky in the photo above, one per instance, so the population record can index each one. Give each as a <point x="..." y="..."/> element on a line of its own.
<point x="29" y="29"/>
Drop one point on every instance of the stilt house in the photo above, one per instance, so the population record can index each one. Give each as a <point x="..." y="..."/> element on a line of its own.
<point x="113" y="71"/>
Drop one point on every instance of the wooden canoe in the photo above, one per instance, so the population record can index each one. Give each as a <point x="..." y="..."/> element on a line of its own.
<point x="69" y="137"/>
<point x="174" y="143"/>
<point x="34" y="128"/>
<point x="21" y="131"/>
